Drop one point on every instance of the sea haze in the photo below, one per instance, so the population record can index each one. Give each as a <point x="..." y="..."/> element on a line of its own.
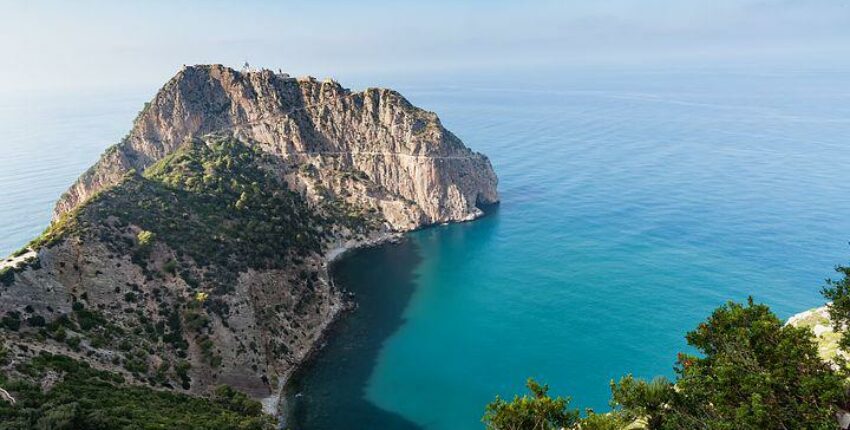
<point x="48" y="140"/>
<point x="633" y="203"/>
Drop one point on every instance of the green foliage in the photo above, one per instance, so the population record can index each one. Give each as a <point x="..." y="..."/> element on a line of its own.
<point x="644" y="400"/>
<point x="838" y="292"/>
<point x="87" y="319"/>
<point x="11" y="321"/>
<point x="58" y="229"/>
<point x="86" y="398"/>
<point x="7" y="276"/>
<point x="537" y="411"/>
<point x="170" y="267"/>
<point x="191" y="201"/>
<point x="182" y="370"/>
<point x="609" y="421"/>
<point x="236" y="401"/>
<point x="36" y="321"/>
<point x="752" y="373"/>
<point x="73" y="342"/>
<point x="195" y="321"/>
<point x="145" y="238"/>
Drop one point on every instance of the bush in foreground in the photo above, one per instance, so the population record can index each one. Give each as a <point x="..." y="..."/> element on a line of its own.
<point x="753" y="373"/>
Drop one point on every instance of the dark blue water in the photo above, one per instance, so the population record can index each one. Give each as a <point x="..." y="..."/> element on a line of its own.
<point x="634" y="203"/>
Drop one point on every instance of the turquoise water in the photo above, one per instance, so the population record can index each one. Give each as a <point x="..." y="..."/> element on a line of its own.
<point x="634" y="203"/>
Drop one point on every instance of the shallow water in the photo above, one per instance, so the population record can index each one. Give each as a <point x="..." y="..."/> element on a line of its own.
<point x="634" y="203"/>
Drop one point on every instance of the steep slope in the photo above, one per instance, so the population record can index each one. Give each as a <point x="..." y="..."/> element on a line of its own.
<point x="415" y="171"/>
<point x="204" y="270"/>
<point x="193" y="253"/>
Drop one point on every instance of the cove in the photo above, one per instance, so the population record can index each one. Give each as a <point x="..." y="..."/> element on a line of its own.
<point x="382" y="279"/>
<point x="633" y="204"/>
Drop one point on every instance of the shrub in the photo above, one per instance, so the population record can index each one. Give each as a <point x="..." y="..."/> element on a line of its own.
<point x="145" y="238"/>
<point x="36" y="321"/>
<point x="85" y="398"/>
<point x="12" y="320"/>
<point x="753" y="373"/>
<point x="537" y="411"/>
<point x="170" y="267"/>
<point x="73" y="342"/>
<point x="7" y="276"/>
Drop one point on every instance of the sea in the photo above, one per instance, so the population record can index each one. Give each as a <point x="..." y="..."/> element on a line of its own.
<point x="634" y="201"/>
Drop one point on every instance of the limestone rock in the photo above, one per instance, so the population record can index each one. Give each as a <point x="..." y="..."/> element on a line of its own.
<point x="371" y="146"/>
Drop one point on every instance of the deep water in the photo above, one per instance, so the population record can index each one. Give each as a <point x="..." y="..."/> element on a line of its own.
<point x="633" y="203"/>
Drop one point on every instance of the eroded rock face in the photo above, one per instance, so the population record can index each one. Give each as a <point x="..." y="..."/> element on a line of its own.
<point x="120" y="281"/>
<point x="415" y="171"/>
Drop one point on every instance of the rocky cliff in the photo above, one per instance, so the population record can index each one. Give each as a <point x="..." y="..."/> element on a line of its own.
<point x="193" y="253"/>
<point x="373" y="144"/>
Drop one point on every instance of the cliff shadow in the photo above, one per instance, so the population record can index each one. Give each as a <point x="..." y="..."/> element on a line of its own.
<point x="329" y="392"/>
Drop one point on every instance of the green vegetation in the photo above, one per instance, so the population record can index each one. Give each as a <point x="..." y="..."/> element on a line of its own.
<point x="145" y="238"/>
<point x="7" y="276"/>
<point x="67" y="223"/>
<point x="86" y="398"/>
<point x="537" y="411"/>
<point x="11" y="321"/>
<point x="195" y="200"/>
<point x="753" y="373"/>
<point x="838" y="292"/>
<point x="209" y="211"/>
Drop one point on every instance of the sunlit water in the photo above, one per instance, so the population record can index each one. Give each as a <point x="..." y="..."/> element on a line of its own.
<point x="633" y="203"/>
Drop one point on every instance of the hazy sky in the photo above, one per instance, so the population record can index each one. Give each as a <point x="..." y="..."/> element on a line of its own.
<point x="71" y="44"/>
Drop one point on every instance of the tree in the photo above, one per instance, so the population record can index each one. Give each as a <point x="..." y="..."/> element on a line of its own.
<point x="838" y="292"/>
<point x="754" y="373"/>
<point x="538" y="411"/>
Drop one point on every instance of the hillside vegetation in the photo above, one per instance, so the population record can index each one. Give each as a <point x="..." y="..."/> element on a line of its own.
<point x="55" y="392"/>
<point x="191" y="225"/>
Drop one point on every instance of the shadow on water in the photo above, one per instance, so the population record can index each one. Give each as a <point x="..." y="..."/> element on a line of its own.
<point x="330" y="392"/>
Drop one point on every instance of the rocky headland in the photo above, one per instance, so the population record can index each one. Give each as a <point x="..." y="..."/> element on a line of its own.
<point x="194" y="253"/>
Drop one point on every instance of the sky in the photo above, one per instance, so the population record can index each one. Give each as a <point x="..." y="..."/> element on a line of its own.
<point x="48" y="45"/>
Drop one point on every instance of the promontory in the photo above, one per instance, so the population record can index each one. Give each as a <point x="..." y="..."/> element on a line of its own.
<point x="193" y="254"/>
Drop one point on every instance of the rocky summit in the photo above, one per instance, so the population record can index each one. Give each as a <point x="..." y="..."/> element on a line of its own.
<point x="194" y="253"/>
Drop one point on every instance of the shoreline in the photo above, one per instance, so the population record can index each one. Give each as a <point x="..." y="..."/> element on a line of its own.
<point x="276" y="403"/>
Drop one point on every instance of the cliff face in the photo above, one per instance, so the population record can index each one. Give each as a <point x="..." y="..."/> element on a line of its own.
<point x="192" y="253"/>
<point x="414" y="171"/>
